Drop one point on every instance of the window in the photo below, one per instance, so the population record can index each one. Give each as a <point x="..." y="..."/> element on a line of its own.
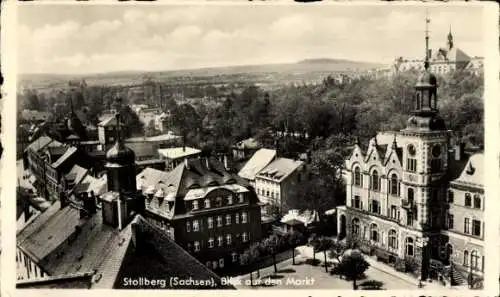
<point x="234" y="257"/>
<point x="189" y="247"/>
<point x="208" y="264"/>
<point x="220" y="241"/>
<point x="476" y="228"/>
<point x="214" y="264"/>
<point x="393" y="239"/>
<point x="451" y="223"/>
<point x="411" y="195"/>
<point x="229" y="199"/>
<point x="409" y="219"/>
<point x="467" y="226"/>
<point x="228" y="219"/>
<point x="244" y="217"/>
<point x="196" y="226"/>
<point x="236" y="218"/>
<point x="394" y="185"/>
<point x="228" y="239"/>
<point x="375" y="206"/>
<point x="219" y="221"/>
<point x="241" y="197"/>
<point x="474" y="260"/>
<point x="196" y="246"/>
<point x="394" y="212"/>
<point x="375" y="182"/>
<point x="450" y="196"/>
<point x="356" y="202"/>
<point x="211" y="242"/>
<point x="221" y="263"/>
<point x="374" y="232"/>
<point x="207" y="203"/>
<point x="195" y="205"/>
<point x="466" y="258"/>
<point x="219" y="201"/>
<point x="244" y="237"/>
<point x="357" y="177"/>
<point x="188" y="227"/>
<point x="468" y="199"/>
<point x="411" y="165"/>
<point x="435" y="165"/>
<point x="210" y="222"/>
<point x="267" y="193"/>
<point x="477" y="201"/>
<point x="409" y="246"/>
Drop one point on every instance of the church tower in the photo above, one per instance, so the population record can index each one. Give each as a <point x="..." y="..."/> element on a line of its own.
<point x="450" y="40"/>
<point x="120" y="165"/>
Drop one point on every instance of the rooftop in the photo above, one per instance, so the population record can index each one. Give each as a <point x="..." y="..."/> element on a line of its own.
<point x="257" y="162"/>
<point x="280" y="169"/>
<point x="472" y="173"/>
<point x="178" y="152"/>
<point x="163" y="137"/>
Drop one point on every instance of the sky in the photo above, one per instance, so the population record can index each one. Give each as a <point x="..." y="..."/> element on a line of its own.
<point x="83" y="39"/>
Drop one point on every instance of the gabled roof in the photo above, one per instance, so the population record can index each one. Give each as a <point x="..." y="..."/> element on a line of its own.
<point x="473" y="172"/>
<point x="257" y="162"/>
<point x="280" y="169"/>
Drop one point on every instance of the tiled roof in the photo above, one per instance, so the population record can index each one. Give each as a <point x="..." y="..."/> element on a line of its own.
<point x="178" y="152"/>
<point x="157" y="256"/>
<point x="280" y="169"/>
<point x="473" y="171"/>
<point x="49" y="231"/>
<point x="39" y="144"/>
<point x="178" y="182"/>
<point x="257" y="162"/>
<point x="68" y="153"/>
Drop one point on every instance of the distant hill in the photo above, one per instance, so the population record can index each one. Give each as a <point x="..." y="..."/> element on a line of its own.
<point x="306" y="68"/>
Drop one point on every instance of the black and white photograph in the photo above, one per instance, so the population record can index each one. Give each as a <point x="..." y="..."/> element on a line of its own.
<point x="250" y="147"/>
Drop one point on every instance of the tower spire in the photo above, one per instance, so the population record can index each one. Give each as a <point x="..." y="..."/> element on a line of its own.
<point x="427" y="21"/>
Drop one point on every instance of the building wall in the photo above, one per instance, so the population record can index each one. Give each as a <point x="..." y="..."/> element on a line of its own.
<point x="26" y="268"/>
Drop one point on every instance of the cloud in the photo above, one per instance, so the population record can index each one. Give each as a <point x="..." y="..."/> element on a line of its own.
<point x="199" y="36"/>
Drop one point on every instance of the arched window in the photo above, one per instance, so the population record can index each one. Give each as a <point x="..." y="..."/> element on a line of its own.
<point x="409" y="246"/>
<point x="357" y="177"/>
<point x="449" y="250"/>
<point x="477" y="201"/>
<point x="474" y="260"/>
<point x="375" y="183"/>
<point x="374" y="232"/>
<point x="411" y="195"/>
<point x="468" y="199"/>
<point x="355" y="226"/>
<point x="394" y="184"/>
<point x="393" y="239"/>
<point x="466" y="258"/>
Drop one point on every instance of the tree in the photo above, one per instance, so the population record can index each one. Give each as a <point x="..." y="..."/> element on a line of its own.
<point x="313" y="241"/>
<point x="337" y="249"/>
<point x="352" y="266"/>
<point x="294" y="238"/>
<point x="246" y="260"/>
<point x="322" y="244"/>
<point x="271" y="245"/>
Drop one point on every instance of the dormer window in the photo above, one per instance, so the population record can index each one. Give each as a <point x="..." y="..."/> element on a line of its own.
<point x="241" y="197"/>
<point x="229" y="199"/>
<point x="195" y="204"/>
<point x="219" y="201"/>
<point x="207" y="203"/>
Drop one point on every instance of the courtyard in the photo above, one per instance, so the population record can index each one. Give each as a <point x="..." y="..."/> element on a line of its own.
<point x="302" y="275"/>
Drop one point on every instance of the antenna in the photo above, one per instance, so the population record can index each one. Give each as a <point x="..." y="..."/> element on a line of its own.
<point x="427" y="21"/>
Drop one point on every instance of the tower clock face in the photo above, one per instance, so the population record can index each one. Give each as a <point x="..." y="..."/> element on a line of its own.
<point x="411" y="150"/>
<point x="436" y="151"/>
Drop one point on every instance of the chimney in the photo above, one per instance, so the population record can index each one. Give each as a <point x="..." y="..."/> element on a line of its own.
<point x="459" y="151"/>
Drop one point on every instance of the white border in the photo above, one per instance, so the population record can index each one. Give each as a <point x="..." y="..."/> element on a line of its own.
<point x="492" y="153"/>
